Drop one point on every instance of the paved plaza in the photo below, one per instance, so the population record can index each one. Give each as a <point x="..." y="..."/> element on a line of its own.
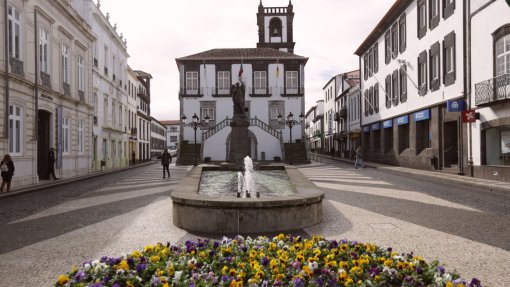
<point x="44" y="233"/>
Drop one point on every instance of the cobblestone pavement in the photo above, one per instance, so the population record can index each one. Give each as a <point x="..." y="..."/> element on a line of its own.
<point x="43" y="234"/>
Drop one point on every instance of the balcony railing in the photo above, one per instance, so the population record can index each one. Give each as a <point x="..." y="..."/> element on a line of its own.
<point x="45" y="80"/>
<point x="492" y="90"/>
<point x="343" y="112"/>
<point x="191" y="92"/>
<point x="17" y="67"/>
<point x="67" y="89"/>
<point x="133" y="131"/>
<point x="82" y="96"/>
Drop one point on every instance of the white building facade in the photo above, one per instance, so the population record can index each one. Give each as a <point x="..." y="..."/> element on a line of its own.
<point x="412" y="65"/>
<point x="143" y="114"/>
<point x="314" y="127"/>
<point x="173" y="128"/>
<point x="158" y="138"/>
<point x="47" y="53"/>
<point x="274" y="84"/>
<point x="490" y="89"/>
<point x="110" y="136"/>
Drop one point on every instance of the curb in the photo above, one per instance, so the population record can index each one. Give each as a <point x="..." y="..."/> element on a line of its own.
<point x="54" y="183"/>
<point x="450" y="178"/>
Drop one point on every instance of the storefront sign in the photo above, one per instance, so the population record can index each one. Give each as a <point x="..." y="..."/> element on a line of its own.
<point x="387" y="124"/>
<point x="455" y="105"/>
<point x="422" y="115"/>
<point x="376" y="126"/>
<point x="366" y="129"/>
<point x="403" y="120"/>
<point x="469" y="116"/>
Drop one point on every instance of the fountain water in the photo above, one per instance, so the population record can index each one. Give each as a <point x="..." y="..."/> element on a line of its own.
<point x="249" y="180"/>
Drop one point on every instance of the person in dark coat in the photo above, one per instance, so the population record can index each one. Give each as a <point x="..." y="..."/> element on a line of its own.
<point x="166" y="159"/>
<point x="7" y="168"/>
<point x="51" y="164"/>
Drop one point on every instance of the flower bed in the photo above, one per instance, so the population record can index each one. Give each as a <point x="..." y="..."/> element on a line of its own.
<point x="280" y="261"/>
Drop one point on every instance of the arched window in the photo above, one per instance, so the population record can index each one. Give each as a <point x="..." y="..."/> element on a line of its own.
<point x="502" y="50"/>
<point x="275" y="27"/>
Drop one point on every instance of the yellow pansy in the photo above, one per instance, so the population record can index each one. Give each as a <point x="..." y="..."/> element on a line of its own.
<point x="63" y="279"/>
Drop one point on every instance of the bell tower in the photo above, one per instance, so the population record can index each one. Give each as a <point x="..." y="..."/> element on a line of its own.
<point x="275" y="27"/>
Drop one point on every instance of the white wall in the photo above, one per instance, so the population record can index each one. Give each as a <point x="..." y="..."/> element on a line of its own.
<point x="484" y="23"/>
<point x="414" y="47"/>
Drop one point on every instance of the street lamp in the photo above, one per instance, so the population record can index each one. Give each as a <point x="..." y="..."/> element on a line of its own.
<point x="195" y="123"/>
<point x="290" y="122"/>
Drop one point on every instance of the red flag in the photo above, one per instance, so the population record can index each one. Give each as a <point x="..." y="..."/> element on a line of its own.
<point x="241" y="71"/>
<point x="469" y="116"/>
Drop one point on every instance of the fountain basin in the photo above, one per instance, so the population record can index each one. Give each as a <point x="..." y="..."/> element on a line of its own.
<point x="227" y="215"/>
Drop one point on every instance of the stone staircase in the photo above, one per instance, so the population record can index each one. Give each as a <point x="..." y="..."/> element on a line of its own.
<point x="186" y="154"/>
<point x="298" y="155"/>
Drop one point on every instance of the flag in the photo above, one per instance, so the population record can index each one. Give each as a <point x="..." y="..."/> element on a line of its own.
<point x="469" y="116"/>
<point x="241" y="71"/>
<point x="277" y="71"/>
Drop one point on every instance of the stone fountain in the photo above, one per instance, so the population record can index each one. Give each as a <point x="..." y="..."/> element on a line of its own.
<point x="196" y="211"/>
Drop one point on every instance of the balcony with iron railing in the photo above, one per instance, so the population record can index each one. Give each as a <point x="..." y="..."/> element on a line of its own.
<point x="191" y="92"/>
<point x="493" y="90"/>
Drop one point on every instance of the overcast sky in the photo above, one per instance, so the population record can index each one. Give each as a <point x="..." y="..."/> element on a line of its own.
<point x="158" y="31"/>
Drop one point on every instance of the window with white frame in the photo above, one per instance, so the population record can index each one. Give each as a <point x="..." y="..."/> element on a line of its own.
<point x="223" y="82"/>
<point x="15" y="130"/>
<point x="434" y="67"/>
<point x="43" y="50"/>
<point x="65" y="64"/>
<point x="503" y="55"/>
<point x="65" y="136"/>
<point x="14" y="32"/>
<point x="275" y="111"/>
<point x="260" y="82"/>
<point x="291" y="81"/>
<point x="81" y="76"/>
<point x="114" y="116"/>
<point x="207" y="112"/>
<point x="449" y="54"/>
<point x="80" y="137"/>
<point x="105" y="111"/>
<point x="120" y="116"/>
<point x="192" y="82"/>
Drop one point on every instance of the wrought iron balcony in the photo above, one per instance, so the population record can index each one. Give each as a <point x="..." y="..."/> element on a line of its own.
<point x="45" y="80"/>
<point x="17" y="67"/>
<point x="67" y="89"/>
<point x="492" y="90"/>
<point x="82" y="96"/>
<point x="133" y="131"/>
<point x="343" y="112"/>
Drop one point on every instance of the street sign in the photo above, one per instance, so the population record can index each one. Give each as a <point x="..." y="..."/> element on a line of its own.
<point x="366" y="129"/>
<point x="403" y="120"/>
<point x="387" y="124"/>
<point x="455" y="105"/>
<point x="469" y="116"/>
<point x="376" y="126"/>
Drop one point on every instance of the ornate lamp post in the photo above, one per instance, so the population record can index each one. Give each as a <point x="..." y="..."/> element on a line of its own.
<point x="195" y="123"/>
<point x="290" y="122"/>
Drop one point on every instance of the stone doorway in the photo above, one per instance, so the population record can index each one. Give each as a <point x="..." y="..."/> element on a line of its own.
<point x="43" y="142"/>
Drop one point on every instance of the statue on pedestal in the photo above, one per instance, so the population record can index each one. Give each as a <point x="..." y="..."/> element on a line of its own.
<point x="237" y="91"/>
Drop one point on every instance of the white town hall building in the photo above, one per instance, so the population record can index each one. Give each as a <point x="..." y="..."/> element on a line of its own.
<point x="274" y="84"/>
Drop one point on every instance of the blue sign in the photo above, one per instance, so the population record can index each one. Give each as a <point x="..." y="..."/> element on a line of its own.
<point x="366" y="128"/>
<point x="376" y="126"/>
<point x="403" y="120"/>
<point x="422" y="115"/>
<point x="387" y="124"/>
<point x="455" y="105"/>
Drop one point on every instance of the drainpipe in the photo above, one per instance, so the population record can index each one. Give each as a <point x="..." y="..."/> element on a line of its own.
<point x="468" y="88"/>
<point x="465" y="73"/>
<point x="36" y="87"/>
<point x="6" y="32"/>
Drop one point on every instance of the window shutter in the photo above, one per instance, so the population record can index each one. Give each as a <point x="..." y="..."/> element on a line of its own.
<point x="448" y="9"/>
<point x="422" y="60"/>
<point x="387" y="47"/>
<point x="366" y="102"/>
<point x="371" y="100"/>
<point x="402" y="33"/>
<point x="403" y="84"/>
<point x="449" y="41"/>
<point x="434" y="20"/>
<point x="388" y="91"/>
<point x="365" y="62"/>
<point x="376" y="57"/>
<point x="434" y="51"/>
<point x="394" y="88"/>
<point x="422" y="31"/>
<point x="376" y="98"/>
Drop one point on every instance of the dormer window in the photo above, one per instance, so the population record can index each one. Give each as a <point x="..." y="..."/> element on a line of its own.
<point x="275" y="27"/>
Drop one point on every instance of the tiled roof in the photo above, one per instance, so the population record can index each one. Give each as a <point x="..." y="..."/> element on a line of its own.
<point x="171" y="122"/>
<point x="244" y="53"/>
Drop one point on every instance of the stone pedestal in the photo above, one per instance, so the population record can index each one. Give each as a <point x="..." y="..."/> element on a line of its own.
<point x="240" y="144"/>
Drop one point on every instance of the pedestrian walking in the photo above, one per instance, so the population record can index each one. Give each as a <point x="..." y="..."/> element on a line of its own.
<point x="7" y="172"/>
<point x="353" y="154"/>
<point x="133" y="157"/>
<point x="51" y="164"/>
<point x="359" y="158"/>
<point x="332" y="151"/>
<point x="166" y="159"/>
